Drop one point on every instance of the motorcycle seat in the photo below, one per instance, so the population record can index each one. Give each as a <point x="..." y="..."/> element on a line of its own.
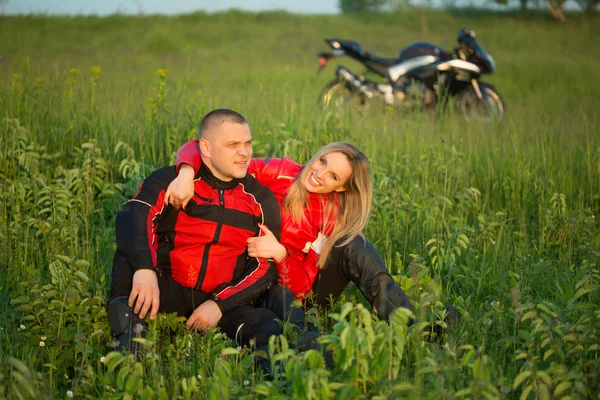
<point x="354" y="47"/>
<point x="386" y="62"/>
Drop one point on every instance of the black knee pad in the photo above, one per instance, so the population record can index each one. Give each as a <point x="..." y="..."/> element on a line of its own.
<point x="119" y="314"/>
<point x="122" y="318"/>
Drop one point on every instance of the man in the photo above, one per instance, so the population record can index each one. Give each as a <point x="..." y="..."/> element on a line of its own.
<point x="194" y="262"/>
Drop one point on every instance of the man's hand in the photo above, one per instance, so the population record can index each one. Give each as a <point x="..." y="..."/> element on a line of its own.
<point x="266" y="246"/>
<point x="181" y="189"/>
<point x="206" y="316"/>
<point x="145" y="294"/>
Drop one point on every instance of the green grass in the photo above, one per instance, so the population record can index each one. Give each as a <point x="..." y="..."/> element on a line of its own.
<point x="463" y="214"/>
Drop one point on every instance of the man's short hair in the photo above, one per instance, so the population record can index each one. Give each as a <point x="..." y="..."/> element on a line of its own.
<point x="217" y="117"/>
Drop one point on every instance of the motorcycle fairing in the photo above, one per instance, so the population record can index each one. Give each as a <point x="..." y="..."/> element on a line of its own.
<point x="403" y="68"/>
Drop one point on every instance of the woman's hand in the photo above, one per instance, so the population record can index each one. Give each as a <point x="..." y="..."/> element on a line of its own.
<point x="181" y="189"/>
<point x="266" y="246"/>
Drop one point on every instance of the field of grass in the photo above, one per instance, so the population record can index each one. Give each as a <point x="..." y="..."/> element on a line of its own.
<point x="500" y="221"/>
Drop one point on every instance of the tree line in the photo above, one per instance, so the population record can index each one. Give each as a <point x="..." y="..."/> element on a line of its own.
<point x="555" y="7"/>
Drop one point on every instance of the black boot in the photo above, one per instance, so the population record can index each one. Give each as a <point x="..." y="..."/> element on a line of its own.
<point x="436" y="332"/>
<point x="126" y="325"/>
<point x="308" y="341"/>
<point x="281" y="301"/>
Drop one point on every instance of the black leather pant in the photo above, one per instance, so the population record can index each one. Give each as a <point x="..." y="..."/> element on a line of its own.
<point x="359" y="262"/>
<point x="244" y="323"/>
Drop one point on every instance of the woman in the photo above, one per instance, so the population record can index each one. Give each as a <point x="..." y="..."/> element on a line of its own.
<point x="325" y="206"/>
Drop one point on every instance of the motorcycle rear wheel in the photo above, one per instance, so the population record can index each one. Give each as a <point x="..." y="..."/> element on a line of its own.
<point x="489" y="109"/>
<point x="338" y="94"/>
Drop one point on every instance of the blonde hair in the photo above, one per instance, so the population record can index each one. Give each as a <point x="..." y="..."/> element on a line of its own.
<point x="353" y="204"/>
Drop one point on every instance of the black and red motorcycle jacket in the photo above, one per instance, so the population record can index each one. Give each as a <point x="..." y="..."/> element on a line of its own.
<point x="203" y="246"/>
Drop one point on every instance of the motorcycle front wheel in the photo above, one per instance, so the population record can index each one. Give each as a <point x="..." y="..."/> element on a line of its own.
<point x="338" y="94"/>
<point x="490" y="108"/>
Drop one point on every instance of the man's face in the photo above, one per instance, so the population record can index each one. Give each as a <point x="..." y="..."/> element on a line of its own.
<point x="227" y="150"/>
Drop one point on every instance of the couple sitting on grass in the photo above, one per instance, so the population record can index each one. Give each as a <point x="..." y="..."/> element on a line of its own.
<point x="230" y="241"/>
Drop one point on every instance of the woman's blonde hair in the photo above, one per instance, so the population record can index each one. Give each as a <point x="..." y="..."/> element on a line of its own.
<point x="353" y="204"/>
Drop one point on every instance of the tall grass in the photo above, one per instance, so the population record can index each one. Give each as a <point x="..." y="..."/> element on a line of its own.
<point x="501" y="221"/>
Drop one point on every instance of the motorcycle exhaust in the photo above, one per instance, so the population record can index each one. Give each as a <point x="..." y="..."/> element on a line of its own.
<point x="343" y="73"/>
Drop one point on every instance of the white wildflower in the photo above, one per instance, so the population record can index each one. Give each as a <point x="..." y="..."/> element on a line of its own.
<point x="42" y="343"/>
<point x="487" y="322"/>
<point x="69" y="393"/>
<point x="199" y="377"/>
<point x="505" y="389"/>
<point x="246" y="383"/>
<point x="102" y="359"/>
<point x="22" y="327"/>
<point x="43" y="337"/>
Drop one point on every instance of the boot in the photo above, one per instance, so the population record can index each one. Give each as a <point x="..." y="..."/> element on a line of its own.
<point x="125" y="326"/>
<point x="308" y="341"/>
<point x="437" y="332"/>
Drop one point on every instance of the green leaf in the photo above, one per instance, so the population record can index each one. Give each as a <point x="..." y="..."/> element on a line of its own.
<point x="113" y="359"/>
<point x="581" y="292"/>
<point x="528" y="315"/>
<point x="520" y="378"/>
<point x="261" y="388"/>
<point x="561" y="387"/>
<point x="569" y="338"/>
<point x="132" y="383"/>
<point x="545" y="309"/>
<point x="545" y="342"/>
<point x="18" y="364"/>
<point x="228" y="351"/>
<point x="25" y="382"/>
<point x="162" y="394"/>
<point x="544" y="377"/>
<point x="463" y="392"/>
<point x="543" y="392"/>
<point x="431" y="241"/>
<point x="82" y="263"/>
<point x="82" y="276"/>
<point x="63" y="258"/>
<point x="525" y="393"/>
<point x="404" y="387"/>
<point x="468" y="357"/>
<point x="521" y="356"/>
<point x="121" y="376"/>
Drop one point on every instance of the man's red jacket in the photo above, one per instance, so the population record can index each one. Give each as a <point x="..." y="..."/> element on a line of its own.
<point x="204" y="246"/>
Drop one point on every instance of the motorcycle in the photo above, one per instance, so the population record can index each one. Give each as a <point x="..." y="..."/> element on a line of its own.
<point x="423" y="75"/>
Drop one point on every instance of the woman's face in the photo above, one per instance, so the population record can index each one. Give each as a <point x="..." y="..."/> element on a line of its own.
<point x="327" y="174"/>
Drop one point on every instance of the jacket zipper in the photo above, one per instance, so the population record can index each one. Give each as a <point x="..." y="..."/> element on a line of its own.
<point x="215" y="239"/>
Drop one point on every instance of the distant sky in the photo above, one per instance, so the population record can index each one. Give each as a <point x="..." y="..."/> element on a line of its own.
<point x="104" y="7"/>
